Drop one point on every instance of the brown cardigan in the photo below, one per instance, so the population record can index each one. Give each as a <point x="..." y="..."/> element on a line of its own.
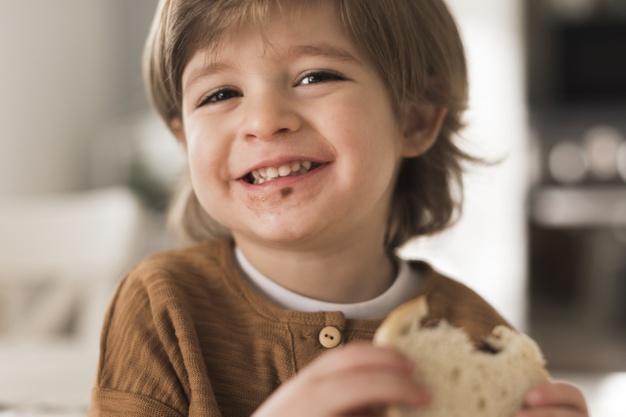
<point x="186" y="334"/>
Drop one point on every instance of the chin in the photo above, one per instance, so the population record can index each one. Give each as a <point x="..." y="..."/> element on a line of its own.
<point x="284" y="237"/>
<point x="285" y="234"/>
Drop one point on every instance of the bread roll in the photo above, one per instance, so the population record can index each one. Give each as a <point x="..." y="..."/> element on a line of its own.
<point x="464" y="380"/>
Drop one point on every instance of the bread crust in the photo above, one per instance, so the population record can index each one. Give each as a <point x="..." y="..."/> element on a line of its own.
<point x="486" y="378"/>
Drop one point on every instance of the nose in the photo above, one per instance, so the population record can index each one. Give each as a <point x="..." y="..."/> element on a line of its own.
<point x="269" y="115"/>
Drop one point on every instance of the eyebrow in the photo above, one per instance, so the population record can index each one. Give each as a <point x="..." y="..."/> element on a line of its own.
<point x="323" y="50"/>
<point x="318" y="50"/>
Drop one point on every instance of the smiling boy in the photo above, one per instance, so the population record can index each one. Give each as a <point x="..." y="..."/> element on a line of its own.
<point x="319" y="139"/>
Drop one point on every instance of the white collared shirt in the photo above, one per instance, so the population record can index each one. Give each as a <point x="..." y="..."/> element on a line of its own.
<point x="403" y="288"/>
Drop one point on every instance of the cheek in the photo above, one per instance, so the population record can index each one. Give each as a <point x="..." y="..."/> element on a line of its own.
<point x="369" y="133"/>
<point x="203" y="157"/>
<point x="196" y="152"/>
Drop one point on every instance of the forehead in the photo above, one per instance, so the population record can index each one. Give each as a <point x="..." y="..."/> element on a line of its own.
<point x="302" y="29"/>
<point x="273" y="23"/>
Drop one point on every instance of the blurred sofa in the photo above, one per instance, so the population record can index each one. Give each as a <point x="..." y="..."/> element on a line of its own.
<point x="61" y="257"/>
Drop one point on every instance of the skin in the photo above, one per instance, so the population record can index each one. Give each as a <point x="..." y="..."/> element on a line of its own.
<point x="322" y="236"/>
<point x="555" y="399"/>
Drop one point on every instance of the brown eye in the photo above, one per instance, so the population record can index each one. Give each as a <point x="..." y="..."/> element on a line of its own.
<point x="220" y="95"/>
<point x="319" y="76"/>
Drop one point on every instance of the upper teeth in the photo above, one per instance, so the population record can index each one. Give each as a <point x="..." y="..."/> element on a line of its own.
<point x="269" y="173"/>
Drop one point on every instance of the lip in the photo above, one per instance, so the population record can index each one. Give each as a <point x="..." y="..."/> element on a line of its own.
<point x="277" y="162"/>
<point x="285" y="181"/>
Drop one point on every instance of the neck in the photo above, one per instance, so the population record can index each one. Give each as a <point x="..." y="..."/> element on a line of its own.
<point x="351" y="272"/>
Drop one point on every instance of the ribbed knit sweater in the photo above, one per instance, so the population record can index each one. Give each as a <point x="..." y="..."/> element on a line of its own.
<point x="187" y="335"/>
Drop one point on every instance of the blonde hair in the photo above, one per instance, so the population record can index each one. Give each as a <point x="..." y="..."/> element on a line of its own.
<point x="413" y="44"/>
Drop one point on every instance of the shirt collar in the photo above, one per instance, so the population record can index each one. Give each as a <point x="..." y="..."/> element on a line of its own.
<point x="402" y="289"/>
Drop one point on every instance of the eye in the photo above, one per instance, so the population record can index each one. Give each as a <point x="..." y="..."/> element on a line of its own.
<point x="220" y="95"/>
<point x="320" y="76"/>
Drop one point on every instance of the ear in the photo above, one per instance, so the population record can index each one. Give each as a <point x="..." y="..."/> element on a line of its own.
<point x="421" y="124"/>
<point x="176" y="126"/>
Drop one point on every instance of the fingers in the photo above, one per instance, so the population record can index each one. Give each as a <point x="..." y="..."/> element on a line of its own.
<point x="557" y="394"/>
<point x="355" y="380"/>
<point x="551" y="412"/>
<point x="355" y="356"/>
<point x="364" y="388"/>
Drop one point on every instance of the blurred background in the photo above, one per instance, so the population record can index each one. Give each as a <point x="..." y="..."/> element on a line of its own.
<point x="86" y="170"/>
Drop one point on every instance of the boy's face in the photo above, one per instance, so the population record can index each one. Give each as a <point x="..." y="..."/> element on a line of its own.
<point x="293" y="95"/>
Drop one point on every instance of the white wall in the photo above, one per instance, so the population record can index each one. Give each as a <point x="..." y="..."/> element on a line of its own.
<point x="64" y="72"/>
<point x="487" y="249"/>
<point x="48" y="106"/>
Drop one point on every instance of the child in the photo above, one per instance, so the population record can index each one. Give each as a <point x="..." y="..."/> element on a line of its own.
<point x="318" y="135"/>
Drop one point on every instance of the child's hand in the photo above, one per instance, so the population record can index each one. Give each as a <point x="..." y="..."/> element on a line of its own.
<point x="356" y="380"/>
<point x="554" y="399"/>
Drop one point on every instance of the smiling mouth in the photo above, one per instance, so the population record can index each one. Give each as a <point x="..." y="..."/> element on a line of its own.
<point x="292" y="169"/>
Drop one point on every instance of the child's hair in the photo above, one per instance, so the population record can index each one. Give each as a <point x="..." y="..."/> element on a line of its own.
<point x="415" y="47"/>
